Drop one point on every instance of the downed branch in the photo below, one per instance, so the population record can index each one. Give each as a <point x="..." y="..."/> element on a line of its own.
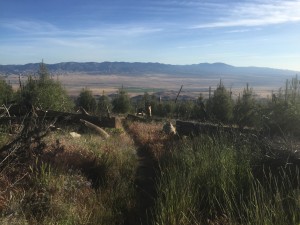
<point x="135" y="118"/>
<point x="28" y="144"/>
<point x="94" y="127"/>
<point x="17" y="113"/>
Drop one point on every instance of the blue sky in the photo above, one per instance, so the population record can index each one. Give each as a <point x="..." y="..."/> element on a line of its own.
<point x="241" y="33"/>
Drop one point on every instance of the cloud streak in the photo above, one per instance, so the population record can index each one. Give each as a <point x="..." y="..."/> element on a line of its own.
<point x="29" y="26"/>
<point x="35" y="30"/>
<point x="259" y="13"/>
<point x="41" y="27"/>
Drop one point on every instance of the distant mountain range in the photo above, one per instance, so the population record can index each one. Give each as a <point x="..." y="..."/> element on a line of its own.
<point x="138" y="69"/>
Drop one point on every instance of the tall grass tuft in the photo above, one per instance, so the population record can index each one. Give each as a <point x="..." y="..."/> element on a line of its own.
<point x="209" y="180"/>
<point x="75" y="181"/>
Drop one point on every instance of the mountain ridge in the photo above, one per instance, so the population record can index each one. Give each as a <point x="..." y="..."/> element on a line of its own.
<point x="142" y="68"/>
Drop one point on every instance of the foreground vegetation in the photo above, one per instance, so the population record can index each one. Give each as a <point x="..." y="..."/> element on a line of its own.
<point x="213" y="180"/>
<point x="140" y="175"/>
<point x="74" y="181"/>
<point x="221" y="179"/>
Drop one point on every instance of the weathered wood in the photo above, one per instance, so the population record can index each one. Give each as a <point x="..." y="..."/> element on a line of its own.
<point x="135" y="118"/>
<point x="178" y="93"/>
<point x="4" y="110"/>
<point x="83" y="111"/>
<point x="16" y="110"/>
<point x="112" y="122"/>
<point x="99" y="130"/>
<point x="169" y="129"/>
<point x="193" y="128"/>
<point x="18" y="113"/>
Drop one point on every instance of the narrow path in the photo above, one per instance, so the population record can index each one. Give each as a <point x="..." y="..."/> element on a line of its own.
<point x="145" y="181"/>
<point x="146" y="178"/>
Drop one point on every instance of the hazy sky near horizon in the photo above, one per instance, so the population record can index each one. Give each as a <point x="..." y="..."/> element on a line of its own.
<point x="241" y="33"/>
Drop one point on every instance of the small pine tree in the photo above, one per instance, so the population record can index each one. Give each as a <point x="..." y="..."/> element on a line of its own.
<point x="104" y="103"/>
<point x="44" y="93"/>
<point x="245" y="110"/>
<point x="199" y="109"/>
<point x="86" y="100"/>
<point x="220" y="106"/>
<point x="283" y="112"/>
<point x="184" y="109"/>
<point x="6" y="92"/>
<point x="154" y="102"/>
<point x="121" y="104"/>
<point x="168" y="108"/>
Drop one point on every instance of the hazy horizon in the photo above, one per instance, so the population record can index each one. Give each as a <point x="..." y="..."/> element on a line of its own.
<point x="200" y="63"/>
<point x="261" y="33"/>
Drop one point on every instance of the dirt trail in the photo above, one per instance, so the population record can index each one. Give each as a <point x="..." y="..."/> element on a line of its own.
<point x="147" y="173"/>
<point x="145" y="181"/>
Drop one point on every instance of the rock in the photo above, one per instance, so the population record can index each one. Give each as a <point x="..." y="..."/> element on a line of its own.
<point x="75" y="135"/>
<point x="168" y="128"/>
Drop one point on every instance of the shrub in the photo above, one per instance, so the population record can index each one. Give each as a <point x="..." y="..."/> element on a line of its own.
<point x="246" y="109"/>
<point x="44" y="92"/>
<point x="282" y="113"/>
<point x="220" y="106"/>
<point x="86" y="100"/>
<point x="104" y="103"/>
<point x="121" y="104"/>
<point x="6" y="92"/>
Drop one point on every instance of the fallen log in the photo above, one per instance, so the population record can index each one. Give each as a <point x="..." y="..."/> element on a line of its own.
<point x="17" y="113"/>
<point x="136" y="118"/>
<point x="99" y="130"/>
<point x="112" y="122"/>
<point x="193" y="128"/>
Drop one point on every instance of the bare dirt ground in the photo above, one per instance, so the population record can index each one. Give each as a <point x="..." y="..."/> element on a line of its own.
<point x="135" y="85"/>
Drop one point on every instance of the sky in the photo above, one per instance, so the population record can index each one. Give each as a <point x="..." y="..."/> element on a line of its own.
<point x="241" y="33"/>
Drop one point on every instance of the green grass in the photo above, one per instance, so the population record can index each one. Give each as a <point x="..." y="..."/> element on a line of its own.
<point x="210" y="181"/>
<point x="201" y="180"/>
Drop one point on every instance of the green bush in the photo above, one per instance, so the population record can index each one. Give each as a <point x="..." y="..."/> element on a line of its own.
<point x="44" y="92"/>
<point x="121" y="104"/>
<point x="86" y="100"/>
<point x="104" y="103"/>
<point x="220" y="106"/>
<point x="282" y="113"/>
<point x="6" y="92"/>
<point x="246" y="111"/>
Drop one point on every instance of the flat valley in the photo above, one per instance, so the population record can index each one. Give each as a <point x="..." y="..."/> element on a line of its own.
<point x="163" y="79"/>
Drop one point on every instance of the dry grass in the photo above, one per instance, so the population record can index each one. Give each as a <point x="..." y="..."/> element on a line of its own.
<point x="89" y="180"/>
<point x="75" y="181"/>
<point x="149" y="135"/>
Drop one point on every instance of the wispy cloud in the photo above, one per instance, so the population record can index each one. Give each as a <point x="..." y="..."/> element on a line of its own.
<point x="238" y="31"/>
<point x="29" y="26"/>
<point x="119" y="30"/>
<point x="258" y="13"/>
<point x="40" y="30"/>
<point x="42" y="27"/>
<point x="194" y="46"/>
